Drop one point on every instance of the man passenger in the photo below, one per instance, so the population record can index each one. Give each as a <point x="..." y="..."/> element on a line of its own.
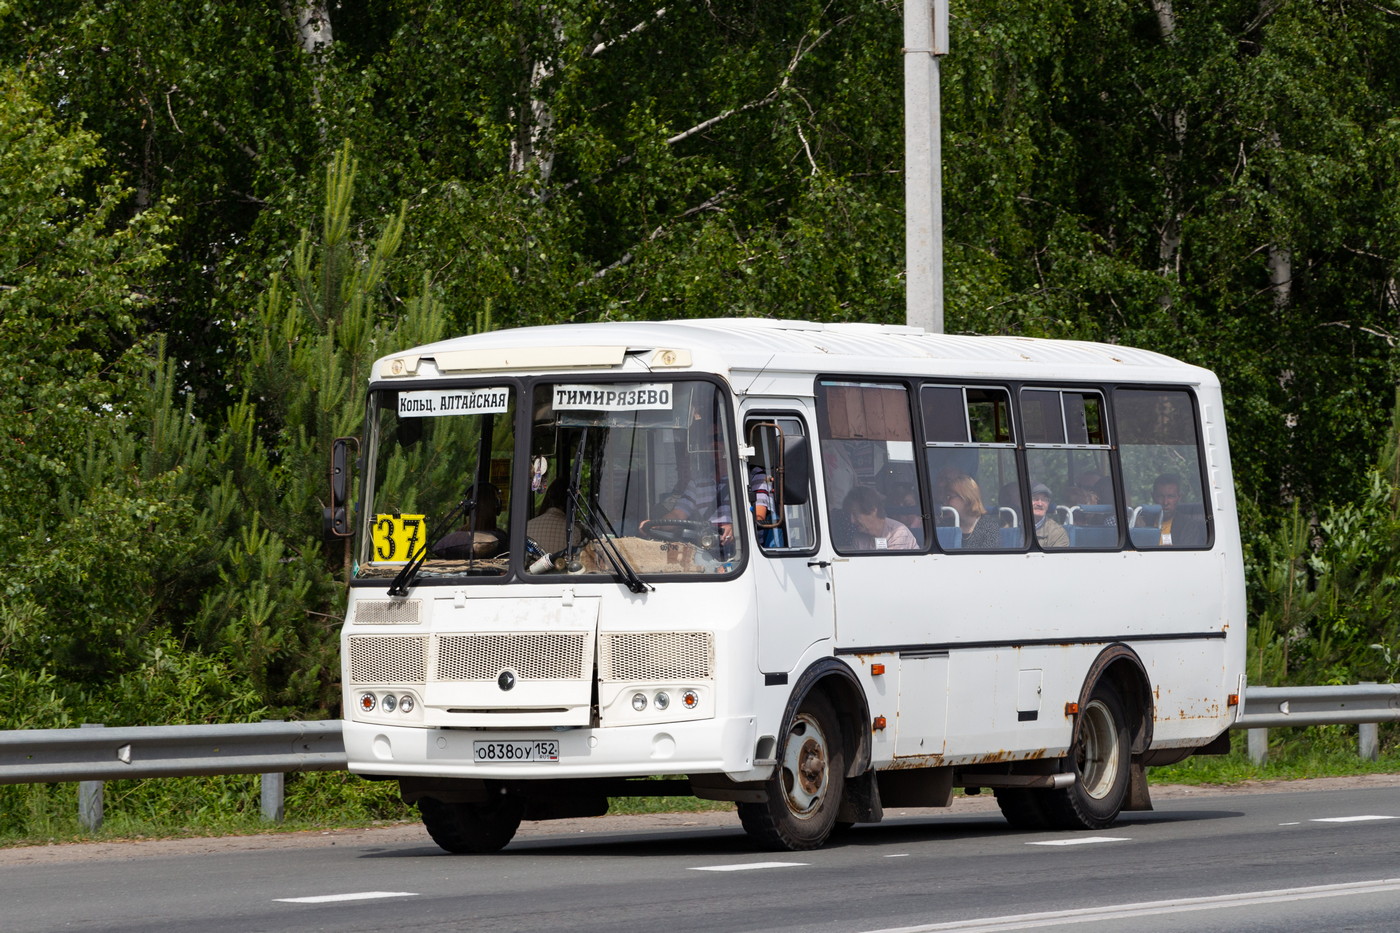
<point x="1048" y="532"/>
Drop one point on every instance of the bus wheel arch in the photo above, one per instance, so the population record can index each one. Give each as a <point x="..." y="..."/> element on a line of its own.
<point x="1112" y="726"/>
<point x="1120" y="666"/>
<point x="822" y="742"/>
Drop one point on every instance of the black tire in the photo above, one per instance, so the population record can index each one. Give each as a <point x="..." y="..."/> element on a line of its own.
<point x="1099" y="758"/>
<point x="804" y="793"/>
<point x="471" y="828"/>
<point x="1023" y="807"/>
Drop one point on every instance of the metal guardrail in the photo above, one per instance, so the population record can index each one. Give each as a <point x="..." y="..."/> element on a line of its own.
<point x="1362" y="705"/>
<point x="97" y="753"/>
<point x="93" y="754"/>
<point x="1276" y="707"/>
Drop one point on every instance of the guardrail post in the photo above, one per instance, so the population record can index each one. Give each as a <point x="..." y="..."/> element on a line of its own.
<point x="90" y="796"/>
<point x="272" y="785"/>
<point x="272" y="799"/>
<point x="1258" y="746"/>
<point x="1368" y="739"/>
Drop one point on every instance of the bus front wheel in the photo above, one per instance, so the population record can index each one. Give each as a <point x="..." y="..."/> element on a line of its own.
<point x="805" y="790"/>
<point x="471" y="828"/>
<point x="1099" y="759"/>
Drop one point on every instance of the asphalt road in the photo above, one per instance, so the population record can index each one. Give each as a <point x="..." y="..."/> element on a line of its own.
<point x="1303" y="859"/>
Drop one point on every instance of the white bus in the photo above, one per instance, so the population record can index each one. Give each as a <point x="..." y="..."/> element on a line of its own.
<point x="814" y="569"/>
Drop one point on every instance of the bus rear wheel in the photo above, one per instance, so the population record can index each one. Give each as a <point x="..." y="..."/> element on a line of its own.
<point x="1099" y="759"/>
<point x="471" y="828"/>
<point x="804" y="793"/>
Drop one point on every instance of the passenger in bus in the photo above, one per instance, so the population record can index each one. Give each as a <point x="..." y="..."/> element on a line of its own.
<point x="1166" y="492"/>
<point x="478" y="536"/>
<point x="904" y="508"/>
<point x="761" y="504"/>
<point x="1079" y="495"/>
<point x="1103" y="491"/>
<point x="872" y="530"/>
<point x="1048" y="532"/>
<point x="548" y="529"/>
<point x="1088" y="479"/>
<point x="979" y="529"/>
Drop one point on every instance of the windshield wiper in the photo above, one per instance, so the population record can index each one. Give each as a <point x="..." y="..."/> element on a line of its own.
<point x="404" y="579"/>
<point x="603" y="532"/>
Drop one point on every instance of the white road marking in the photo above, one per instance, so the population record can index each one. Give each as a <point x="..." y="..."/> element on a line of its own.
<point x="1080" y="841"/>
<point x="1349" y="819"/>
<point x="900" y="855"/>
<point x="357" y="896"/>
<point x="1150" y="908"/>
<point x="748" y="866"/>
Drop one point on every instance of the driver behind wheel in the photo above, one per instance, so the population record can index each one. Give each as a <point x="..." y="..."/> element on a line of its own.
<point x="706" y="497"/>
<point x="703" y="499"/>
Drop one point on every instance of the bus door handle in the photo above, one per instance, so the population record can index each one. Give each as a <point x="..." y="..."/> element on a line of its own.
<point x="823" y="564"/>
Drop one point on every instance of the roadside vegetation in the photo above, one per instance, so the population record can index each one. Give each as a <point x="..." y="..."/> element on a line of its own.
<point x="209" y="226"/>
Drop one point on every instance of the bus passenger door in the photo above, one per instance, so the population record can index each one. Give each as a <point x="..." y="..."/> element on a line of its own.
<point x="792" y="582"/>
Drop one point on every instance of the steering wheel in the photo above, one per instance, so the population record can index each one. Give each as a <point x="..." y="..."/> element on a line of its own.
<point x="676" y="529"/>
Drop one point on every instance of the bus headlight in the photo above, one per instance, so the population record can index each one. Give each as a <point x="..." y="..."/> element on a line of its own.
<point x="639" y="701"/>
<point x="661" y="701"/>
<point x="389" y="703"/>
<point x="406" y="703"/>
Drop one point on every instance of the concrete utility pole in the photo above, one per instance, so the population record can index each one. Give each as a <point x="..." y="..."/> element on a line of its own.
<point x="925" y="38"/>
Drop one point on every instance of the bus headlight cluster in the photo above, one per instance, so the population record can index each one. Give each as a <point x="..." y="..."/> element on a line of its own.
<point x="388" y="703"/>
<point x="661" y="700"/>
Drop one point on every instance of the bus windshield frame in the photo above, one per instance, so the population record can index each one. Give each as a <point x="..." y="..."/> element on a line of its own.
<point x="592" y="478"/>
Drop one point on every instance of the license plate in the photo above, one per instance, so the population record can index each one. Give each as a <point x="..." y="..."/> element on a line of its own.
<point x="542" y="750"/>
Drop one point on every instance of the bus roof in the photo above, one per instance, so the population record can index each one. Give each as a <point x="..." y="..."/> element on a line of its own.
<point x="737" y="345"/>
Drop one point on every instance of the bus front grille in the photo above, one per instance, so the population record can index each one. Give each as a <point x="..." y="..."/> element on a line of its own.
<point x="531" y="655"/>
<point x="388" y="659"/>
<point x="653" y="656"/>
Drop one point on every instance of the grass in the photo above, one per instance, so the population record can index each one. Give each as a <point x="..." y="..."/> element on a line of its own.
<point x="37" y="814"/>
<point x="1294" y="754"/>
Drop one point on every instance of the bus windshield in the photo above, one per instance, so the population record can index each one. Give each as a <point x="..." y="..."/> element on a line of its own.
<point x="622" y="480"/>
<point x="437" y="482"/>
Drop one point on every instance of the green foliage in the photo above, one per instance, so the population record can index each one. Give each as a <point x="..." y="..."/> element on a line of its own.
<point x="1294" y="754"/>
<point x="190" y="305"/>
<point x="1326" y="594"/>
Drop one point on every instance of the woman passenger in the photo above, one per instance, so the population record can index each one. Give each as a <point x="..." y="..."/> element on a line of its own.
<point x="872" y="530"/>
<point x="979" y="530"/>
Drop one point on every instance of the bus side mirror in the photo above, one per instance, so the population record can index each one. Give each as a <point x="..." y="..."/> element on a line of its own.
<point x="797" y="469"/>
<point x="335" y="518"/>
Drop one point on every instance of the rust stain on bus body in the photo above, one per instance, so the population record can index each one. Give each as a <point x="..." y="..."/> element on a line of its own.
<point x="1001" y="756"/>
<point x="914" y="763"/>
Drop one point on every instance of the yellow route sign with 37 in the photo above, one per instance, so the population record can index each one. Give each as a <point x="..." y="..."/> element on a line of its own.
<point x="397" y="538"/>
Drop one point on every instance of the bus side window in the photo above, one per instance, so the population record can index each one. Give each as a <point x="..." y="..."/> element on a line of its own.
<point x="1068" y="458"/>
<point x="1163" y="479"/>
<point x="972" y="468"/>
<point x="779" y="476"/>
<point x="868" y="467"/>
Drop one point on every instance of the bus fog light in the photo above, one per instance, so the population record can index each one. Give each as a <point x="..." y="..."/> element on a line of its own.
<point x="368" y="702"/>
<point x="389" y="703"/>
<point x="661" y="701"/>
<point x="690" y="699"/>
<point x="639" y="701"/>
<point x="405" y="704"/>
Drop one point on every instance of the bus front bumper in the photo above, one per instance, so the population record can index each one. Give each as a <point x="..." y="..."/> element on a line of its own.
<point x="700" y="747"/>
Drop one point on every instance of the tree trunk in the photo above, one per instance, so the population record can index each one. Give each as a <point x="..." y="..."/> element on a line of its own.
<point x="1174" y="121"/>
